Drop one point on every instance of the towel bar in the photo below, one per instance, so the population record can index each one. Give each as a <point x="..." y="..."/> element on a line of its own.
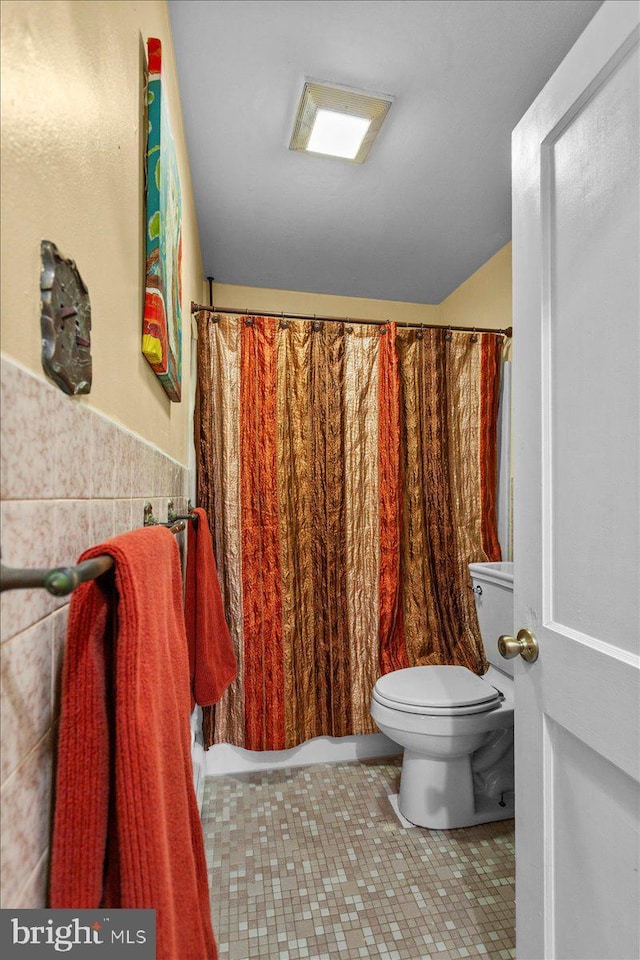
<point x="61" y="581"/>
<point x="172" y="515"/>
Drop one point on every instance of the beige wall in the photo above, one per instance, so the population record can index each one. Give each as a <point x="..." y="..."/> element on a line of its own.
<point x="72" y="149"/>
<point x="484" y="299"/>
<point x="293" y="301"/>
<point x="71" y="474"/>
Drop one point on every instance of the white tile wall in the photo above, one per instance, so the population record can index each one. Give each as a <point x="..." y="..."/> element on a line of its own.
<point x="69" y="479"/>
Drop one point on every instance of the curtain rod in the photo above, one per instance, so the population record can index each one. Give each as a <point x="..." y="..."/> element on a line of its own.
<point x="197" y="307"/>
<point x="61" y="581"/>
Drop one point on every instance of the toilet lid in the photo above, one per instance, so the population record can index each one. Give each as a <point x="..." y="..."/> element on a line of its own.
<point x="437" y="688"/>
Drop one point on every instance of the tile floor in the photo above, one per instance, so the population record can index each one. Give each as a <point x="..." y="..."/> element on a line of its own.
<point x="311" y="862"/>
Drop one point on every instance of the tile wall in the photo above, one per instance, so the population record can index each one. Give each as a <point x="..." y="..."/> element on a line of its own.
<point x="69" y="479"/>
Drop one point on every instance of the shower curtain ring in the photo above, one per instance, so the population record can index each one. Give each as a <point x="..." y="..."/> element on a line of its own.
<point x="474" y="336"/>
<point x="420" y="333"/>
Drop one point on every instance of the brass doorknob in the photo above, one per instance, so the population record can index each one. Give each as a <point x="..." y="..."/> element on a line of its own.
<point x="524" y="644"/>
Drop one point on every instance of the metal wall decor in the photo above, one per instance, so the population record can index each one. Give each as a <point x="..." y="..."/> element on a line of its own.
<point x="65" y="322"/>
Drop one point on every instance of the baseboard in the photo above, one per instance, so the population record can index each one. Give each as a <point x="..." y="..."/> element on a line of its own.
<point x="223" y="758"/>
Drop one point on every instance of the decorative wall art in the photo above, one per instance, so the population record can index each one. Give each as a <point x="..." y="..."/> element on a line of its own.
<point x="65" y="322"/>
<point x="162" y="323"/>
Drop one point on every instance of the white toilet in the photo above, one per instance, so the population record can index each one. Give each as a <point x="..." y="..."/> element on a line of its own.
<point x="456" y="727"/>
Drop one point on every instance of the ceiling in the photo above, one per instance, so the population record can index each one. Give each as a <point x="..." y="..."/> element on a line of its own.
<point x="431" y="203"/>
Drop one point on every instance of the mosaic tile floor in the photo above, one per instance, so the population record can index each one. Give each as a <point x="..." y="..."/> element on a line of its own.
<point x="311" y="862"/>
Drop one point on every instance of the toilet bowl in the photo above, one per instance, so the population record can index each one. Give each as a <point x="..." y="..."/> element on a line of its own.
<point x="456" y="727"/>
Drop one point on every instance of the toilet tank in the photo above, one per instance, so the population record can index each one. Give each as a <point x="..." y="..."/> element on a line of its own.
<point x="493" y="591"/>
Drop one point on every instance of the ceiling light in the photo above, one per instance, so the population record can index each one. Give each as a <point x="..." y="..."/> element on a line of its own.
<point x="337" y="134"/>
<point x="338" y="121"/>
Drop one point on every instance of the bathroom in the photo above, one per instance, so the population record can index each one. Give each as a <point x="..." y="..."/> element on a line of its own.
<point x="437" y="239"/>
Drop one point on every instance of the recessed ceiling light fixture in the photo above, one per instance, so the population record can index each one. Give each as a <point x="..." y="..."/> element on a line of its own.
<point x="338" y="121"/>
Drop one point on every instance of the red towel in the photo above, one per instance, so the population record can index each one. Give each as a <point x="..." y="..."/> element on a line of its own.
<point x="126" y="827"/>
<point x="211" y="657"/>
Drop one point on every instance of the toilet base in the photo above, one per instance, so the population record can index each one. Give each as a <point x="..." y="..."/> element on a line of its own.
<point x="439" y="794"/>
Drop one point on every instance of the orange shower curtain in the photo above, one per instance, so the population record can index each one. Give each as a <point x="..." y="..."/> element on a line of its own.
<point x="350" y="476"/>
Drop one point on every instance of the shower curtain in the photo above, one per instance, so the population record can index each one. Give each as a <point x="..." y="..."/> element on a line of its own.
<point x="349" y="473"/>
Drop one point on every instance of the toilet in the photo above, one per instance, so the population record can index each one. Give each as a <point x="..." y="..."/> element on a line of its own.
<point x="456" y="727"/>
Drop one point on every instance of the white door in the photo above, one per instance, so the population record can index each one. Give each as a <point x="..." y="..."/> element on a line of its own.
<point x="577" y="491"/>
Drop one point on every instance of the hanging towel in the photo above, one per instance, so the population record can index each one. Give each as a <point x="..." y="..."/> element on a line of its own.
<point x="127" y="832"/>
<point x="211" y="657"/>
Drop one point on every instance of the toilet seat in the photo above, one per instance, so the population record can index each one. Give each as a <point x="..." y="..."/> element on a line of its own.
<point x="442" y="691"/>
